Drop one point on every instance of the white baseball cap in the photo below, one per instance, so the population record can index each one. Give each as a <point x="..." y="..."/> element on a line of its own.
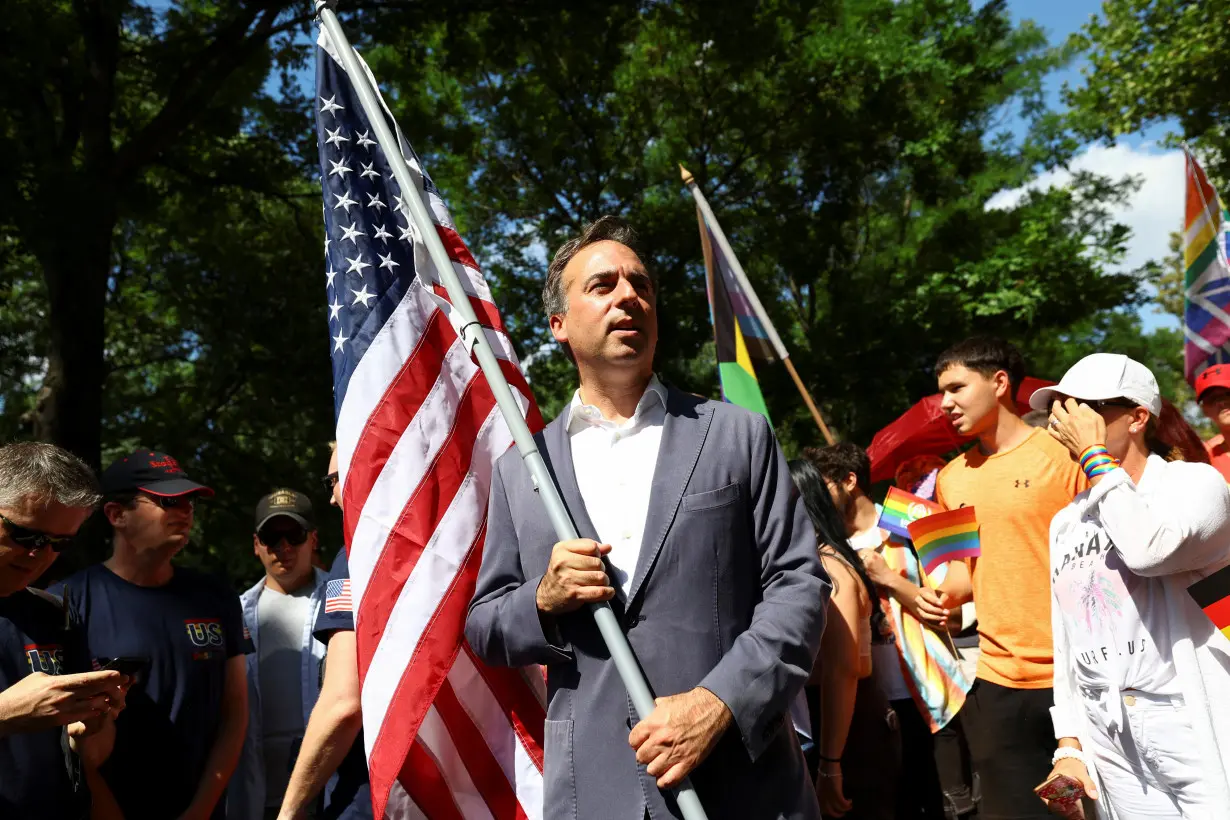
<point x="1102" y="376"/>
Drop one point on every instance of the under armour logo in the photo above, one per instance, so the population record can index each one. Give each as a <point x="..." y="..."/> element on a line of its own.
<point x="1022" y="483"/>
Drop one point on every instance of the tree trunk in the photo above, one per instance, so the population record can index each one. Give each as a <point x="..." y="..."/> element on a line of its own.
<point x="70" y="411"/>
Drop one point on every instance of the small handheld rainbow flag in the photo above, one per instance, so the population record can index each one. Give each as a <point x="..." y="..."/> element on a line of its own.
<point x="945" y="536"/>
<point x="1212" y="595"/>
<point x="900" y="508"/>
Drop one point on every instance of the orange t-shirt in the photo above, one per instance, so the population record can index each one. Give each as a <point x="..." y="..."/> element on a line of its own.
<point x="1015" y="493"/>
<point x="1219" y="454"/>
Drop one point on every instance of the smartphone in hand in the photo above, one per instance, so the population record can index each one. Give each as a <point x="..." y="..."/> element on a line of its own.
<point x="1061" y="789"/>
<point x="132" y="667"/>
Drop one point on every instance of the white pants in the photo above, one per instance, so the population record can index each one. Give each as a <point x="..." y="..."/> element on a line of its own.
<point x="1149" y="766"/>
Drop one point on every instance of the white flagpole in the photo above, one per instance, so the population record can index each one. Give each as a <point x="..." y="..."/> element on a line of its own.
<point x="709" y="219"/>
<point x="475" y="339"/>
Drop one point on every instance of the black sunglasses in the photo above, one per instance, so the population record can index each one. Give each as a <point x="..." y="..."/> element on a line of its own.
<point x="330" y="481"/>
<point x="272" y="536"/>
<point x="36" y="539"/>
<point x="1101" y="405"/>
<point x="170" y="502"/>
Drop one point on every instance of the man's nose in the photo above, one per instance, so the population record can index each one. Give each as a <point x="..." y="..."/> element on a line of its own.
<point x="625" y="291"/>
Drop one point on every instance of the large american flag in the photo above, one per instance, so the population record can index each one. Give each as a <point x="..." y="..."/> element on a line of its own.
<point x="418" y="432"/>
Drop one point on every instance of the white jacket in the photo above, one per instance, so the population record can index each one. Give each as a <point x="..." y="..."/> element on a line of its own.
<point x="1172" y="529"/>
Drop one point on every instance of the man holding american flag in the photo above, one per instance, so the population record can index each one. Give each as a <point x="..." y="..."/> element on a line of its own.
<point x="692" y="529"/>
<point x="418" y="432"/>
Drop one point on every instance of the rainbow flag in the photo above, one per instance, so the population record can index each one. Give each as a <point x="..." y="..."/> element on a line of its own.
<point x="1212" y="595"/>
<point x="737" y="332"/>
<point x="900" y="508"/>
<point x="932" y="671"/>
<point x="950" y="535"/>
<point x="1206" y="315"/>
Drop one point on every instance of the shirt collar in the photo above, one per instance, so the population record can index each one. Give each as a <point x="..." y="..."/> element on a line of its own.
<point x="580" y="414"/>
<point x="868" y="539"/>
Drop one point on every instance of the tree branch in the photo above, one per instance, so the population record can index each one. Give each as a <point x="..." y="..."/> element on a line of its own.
<point x="205" y="73"/>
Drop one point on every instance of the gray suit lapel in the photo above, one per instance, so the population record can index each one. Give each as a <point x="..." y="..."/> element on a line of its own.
<point x="683" y="434"/>
<point x="559" y="459"/>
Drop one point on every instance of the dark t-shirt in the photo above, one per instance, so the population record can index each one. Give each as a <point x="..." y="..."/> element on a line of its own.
<point x="350" y="797"/>
<point x="39" y="778"/>
<point x="187" y="630"/>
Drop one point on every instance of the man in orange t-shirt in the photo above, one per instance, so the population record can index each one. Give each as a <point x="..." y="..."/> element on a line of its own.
<point x="1213" y="393"/>
<point x="1017" y="477"/>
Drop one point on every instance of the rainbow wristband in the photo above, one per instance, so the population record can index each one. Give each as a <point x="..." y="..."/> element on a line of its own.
<point x="1092" y="450"/>
<point x="1097" y="461"/>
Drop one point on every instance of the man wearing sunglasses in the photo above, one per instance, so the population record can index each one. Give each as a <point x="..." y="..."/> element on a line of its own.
<point x="284" y="667"/>
<point x="179" y="738"/>
<point x="332" y="759"/>
<point x="45" y="496"/>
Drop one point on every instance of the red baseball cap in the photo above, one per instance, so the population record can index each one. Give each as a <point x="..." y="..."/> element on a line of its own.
<point x="151" y="472"/>
<point x="1216" y="376"/>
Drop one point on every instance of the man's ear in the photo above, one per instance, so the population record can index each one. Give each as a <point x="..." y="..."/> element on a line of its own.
<point x="850" y="483"/>
<point x="256" y="544"/>
<point x="115" y="512"/>
<point x="559" y="328"/>
<point x="1003" y="384"/>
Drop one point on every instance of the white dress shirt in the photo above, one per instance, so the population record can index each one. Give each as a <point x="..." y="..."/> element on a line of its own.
<point x="614" y="465"/>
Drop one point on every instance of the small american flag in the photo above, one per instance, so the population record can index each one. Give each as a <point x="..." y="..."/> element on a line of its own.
<point x="418" y="433"/>
<point x="337" y="595"/>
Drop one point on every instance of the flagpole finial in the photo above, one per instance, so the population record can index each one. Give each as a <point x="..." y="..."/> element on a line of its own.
<point x="686" y="174"/>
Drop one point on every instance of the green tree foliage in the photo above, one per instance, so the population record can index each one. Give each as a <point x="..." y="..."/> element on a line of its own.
<point x="160" y="240"/>
<point x="1153" y="60"/>
<point x="848" y="148"/>
<point x="159" y="225"/>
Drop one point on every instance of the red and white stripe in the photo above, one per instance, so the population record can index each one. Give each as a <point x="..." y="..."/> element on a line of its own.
<point x="418" y="435"/>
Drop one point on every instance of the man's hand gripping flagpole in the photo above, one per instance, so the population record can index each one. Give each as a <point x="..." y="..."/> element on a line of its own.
<point x="473" y="336"/>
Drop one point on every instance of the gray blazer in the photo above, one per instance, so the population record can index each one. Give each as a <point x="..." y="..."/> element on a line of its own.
<point x="728" y="594"/>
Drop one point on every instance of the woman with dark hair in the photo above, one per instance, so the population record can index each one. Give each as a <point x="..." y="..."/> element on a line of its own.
<point x="856" y="733"/>
<point x="1172" y="438"/>
<point x="1142" y="683"/>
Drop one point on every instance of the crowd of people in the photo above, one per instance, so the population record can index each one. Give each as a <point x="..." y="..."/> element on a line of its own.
<point x="805" y="663"/>
<point x="137" y="688"/>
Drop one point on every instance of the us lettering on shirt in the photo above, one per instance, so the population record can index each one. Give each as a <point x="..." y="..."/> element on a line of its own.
<point x="46" y="658"/>
<point x="205" y="634"/>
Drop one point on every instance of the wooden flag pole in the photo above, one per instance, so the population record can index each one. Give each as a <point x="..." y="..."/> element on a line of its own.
<point x="811" y="405"/>
<point x="707" y="250"/>
<point x="704" y="216"/>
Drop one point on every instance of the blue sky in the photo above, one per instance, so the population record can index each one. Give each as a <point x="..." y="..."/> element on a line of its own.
<point x="1156" y="209"/>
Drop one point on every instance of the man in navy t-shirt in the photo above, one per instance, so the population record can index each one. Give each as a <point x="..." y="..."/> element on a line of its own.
<point x="333" y="741"/>
<point x="45" y="495"/>
<point x="179" y="738"/>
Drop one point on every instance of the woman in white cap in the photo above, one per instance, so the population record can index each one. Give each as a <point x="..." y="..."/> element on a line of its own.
<point x="1142" y="677"/>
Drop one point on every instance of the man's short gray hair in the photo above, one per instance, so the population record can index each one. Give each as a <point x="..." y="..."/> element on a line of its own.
<point x="606" y="228"/>
<point x="46" y="472"/>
